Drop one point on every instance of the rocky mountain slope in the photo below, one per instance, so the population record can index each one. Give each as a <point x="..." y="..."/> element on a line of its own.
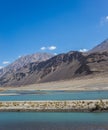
<point x="39" y="68"/>
<point x="101" y="47"/>
<point x="23" y="61"/>
<point x="60" y="67"/>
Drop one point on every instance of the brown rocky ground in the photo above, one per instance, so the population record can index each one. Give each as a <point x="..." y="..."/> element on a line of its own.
<point x="86" y="83"/>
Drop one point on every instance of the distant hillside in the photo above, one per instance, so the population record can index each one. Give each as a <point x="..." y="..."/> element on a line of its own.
<point x="23" y="61"/>
<point x="43" y="67"/>
<point x="101" y="47"/>
<point x="60" y="67"/>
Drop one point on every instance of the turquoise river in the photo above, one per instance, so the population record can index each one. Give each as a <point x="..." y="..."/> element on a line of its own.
<point x="53" y="121"/>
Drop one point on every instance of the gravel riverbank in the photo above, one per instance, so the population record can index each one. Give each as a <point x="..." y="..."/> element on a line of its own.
<point x="55" y="106"/>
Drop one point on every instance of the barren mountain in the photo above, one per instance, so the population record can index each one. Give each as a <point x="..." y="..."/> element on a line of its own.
<point x="60" y="67"/>
<point x="23" y="61"/>
<point x="39" y="68"/>
<point x="101" y="47"/>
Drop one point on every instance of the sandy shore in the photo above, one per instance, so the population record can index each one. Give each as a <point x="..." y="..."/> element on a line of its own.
<point x="7" y="94"/>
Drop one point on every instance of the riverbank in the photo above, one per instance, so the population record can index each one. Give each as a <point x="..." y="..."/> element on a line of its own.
<point x="55" y="106"/>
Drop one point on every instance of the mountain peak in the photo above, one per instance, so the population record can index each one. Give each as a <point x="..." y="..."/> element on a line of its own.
<point x="103" y="46"/>
<point x="24" y="60"/>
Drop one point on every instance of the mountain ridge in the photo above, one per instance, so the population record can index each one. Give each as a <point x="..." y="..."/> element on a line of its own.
<point x="103" y="46"/>
<point x="61" y="67"/>
<point x="64" y="66"/>
<point x="24" y="60"/>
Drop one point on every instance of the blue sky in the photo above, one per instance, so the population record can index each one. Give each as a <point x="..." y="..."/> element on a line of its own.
<point x="55" y="26"/>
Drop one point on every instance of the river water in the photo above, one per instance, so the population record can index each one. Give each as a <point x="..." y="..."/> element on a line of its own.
<point x="53" y="121"/>
<point x="53" y="95"/>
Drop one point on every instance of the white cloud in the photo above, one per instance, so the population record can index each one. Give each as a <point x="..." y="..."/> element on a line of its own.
<point x="83" y="50"/>
<point x="43" y="48"/>
<point x="5" y="62"/>
<point x="104" y="20"/>
<point x="1" y="67"/>
<point x="106" y="17"/>
<point x="19" y="56"/>
<point x="55" y="54"/>
<point x="51" y="48"/>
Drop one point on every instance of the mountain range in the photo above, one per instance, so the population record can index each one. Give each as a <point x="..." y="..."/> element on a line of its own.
<point x="25" y="60"/>
<point x="43" y="67"/>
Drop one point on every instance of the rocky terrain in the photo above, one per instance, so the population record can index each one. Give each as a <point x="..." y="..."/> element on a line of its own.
<point x="23" y="61"/>
<point x="55" y="106"/>
<point x="61" y="67"/>
<point x="101" y="47"/>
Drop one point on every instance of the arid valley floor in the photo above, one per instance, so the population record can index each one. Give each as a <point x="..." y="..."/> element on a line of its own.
<point x="87" y="83"/>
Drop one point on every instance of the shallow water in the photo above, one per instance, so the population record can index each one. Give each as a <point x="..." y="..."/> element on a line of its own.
<point x="53" y="121"/>
<point x="53" y="95"/>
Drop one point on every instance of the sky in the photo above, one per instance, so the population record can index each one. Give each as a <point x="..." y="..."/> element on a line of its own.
<point x="53" y="26"/>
